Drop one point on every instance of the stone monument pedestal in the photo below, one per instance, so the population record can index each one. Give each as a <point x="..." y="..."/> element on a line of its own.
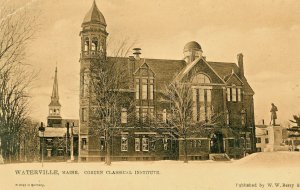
<point x="275" y="139"/>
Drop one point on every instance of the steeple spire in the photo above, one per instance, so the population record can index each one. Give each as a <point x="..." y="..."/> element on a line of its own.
<point x="55" y="97"/>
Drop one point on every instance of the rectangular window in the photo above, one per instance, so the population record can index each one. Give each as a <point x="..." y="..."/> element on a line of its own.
<point x="228" y="94"/>
<point x="83" y="114"/>
<point x="144" y="91"/>
<point x="124" y="143"/>
<point x="137" y="114"/>
<point x="266" y="140"/>
<point x="144" y="114"/>
<point x="164" y="116"/>
<point x="124" y="115"/>
<point x="83" y="143"/>
<point x="165" y="141"/>
<point x="145" y="144"/>
<point x="151" y="113"/>
<point x="239" y="95"/>
<point x="258" y="140"/>
<point x="233" y="91"/>
<point x="151" y="92"/>
<point x="137" y="143"/>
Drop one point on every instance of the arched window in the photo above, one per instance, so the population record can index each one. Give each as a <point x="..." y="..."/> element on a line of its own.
<point x="86" y="44"/>
<point x="94" y="46"/>
<point x="201" y="78"/>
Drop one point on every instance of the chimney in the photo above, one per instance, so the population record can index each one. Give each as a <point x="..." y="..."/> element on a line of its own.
<point x="241" y="64"/>
<point x="136" y="53"/>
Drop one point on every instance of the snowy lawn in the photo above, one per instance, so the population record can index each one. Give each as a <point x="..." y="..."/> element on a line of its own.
<point x="257" y="171"/>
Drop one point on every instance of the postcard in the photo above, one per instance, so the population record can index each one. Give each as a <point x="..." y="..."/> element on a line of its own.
<point x="179" y="95"/>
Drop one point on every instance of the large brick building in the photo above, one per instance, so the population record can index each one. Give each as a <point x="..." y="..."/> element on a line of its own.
<point x="218" y="88"/>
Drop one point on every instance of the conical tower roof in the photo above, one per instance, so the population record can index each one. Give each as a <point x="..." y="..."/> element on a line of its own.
<point x="55" y="97"/>
<point x="94" y="16"/>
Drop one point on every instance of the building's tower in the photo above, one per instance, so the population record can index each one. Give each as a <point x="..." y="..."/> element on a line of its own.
<point x="93" y="50"/>
<point x="54" y="117"/>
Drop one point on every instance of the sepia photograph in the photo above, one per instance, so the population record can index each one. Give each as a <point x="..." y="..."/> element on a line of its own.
<point x="128" y="94"/>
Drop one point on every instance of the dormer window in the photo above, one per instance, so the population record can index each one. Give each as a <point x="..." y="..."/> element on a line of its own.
<point x="144" y="89"/>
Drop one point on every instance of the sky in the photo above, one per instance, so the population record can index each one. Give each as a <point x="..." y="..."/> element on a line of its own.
<point x="266" y="32"/>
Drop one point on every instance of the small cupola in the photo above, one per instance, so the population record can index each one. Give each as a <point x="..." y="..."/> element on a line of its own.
<point x="192" y="51"/>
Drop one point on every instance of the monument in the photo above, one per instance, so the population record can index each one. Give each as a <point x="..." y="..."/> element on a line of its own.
<point x="273" y="114"/>
<point x="274" y="133"/>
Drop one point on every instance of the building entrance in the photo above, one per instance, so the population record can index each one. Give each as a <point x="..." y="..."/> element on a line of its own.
<point x="216" y="143"/>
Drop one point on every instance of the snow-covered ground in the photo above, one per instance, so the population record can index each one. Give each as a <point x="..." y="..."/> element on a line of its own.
<point x="257" y="171"/>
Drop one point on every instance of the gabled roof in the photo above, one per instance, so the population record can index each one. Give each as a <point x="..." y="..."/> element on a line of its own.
<point x="168" y="70"/>
<point x="227" y="78"/>
<point x="224" y="69"/>
<point x="189" y="66"/>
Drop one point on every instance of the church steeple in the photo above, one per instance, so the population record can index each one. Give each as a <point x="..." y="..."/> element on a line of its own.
<point x="54" y="106"/>
<point x="55" y="97"/>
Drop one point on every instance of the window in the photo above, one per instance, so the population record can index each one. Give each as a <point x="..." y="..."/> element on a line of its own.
<point x="228" y="94"/>
<point x="201" y="78"/>
<point x="239" y="94"/>
<point x="258" y="140"/>
<point x="144" y="114"/>
<point x="164" y="116"/>
<point x="124" y="143"/>
<point x="137" y="144"/>
<point x="145" y="144"/>
<point x="137" y="89"/>
<point x="83" y="115"/>
<point x="147" y="89"/>
<point x="165" y="142"/>
<point x="124" y="115"/>
<point x="151" y="113"/>
<point x="234" y="94"/>
<point x="144" y="89"/>
<point x="137" y="113"/>
<point x="151" y="92"/>
<point x="227" y="118"/>
<point x="84" y="83"/>
<point x="258" y="149"/>
<point x="86" y="44"/>
<point x="94" y="46"/>
<point x="83" y="143"/>
<point x="266" y="140"/>
<point x="202" y="108"/>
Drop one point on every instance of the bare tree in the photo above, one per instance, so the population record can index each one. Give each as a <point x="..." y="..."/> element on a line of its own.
<point x="180" y="95"/>
<point x="17" y="27"/>
<point x="109" y="93"/>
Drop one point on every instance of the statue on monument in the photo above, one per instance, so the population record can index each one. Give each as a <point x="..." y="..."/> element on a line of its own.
<point x="273" y="114"/>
